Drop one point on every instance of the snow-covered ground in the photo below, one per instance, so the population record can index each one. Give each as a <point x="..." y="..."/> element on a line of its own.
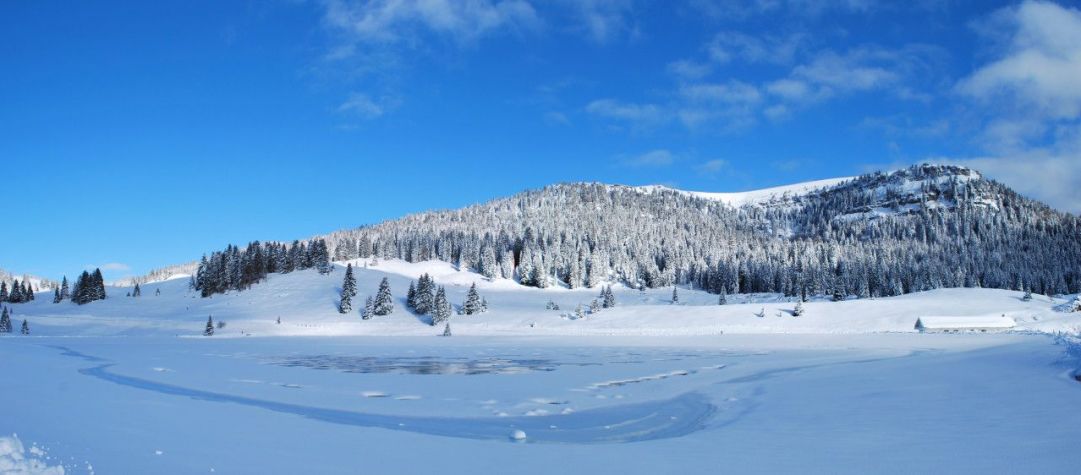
<point x="874" y="403"/>
<point x="127" y="385"/>
<point x="306" y="302"/>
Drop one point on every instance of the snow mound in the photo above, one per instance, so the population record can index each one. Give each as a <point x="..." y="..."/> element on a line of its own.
<point x="15" y="459"/>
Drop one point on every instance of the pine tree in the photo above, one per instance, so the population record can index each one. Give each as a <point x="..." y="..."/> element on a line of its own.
<point x="423" y="298"/>
<point x="483" y="305"/>
<point x="594" y="306"/>
<point x="26" y="328"/>
<point x="4" y="296"/>
<point x="472" y="304"/>
<point x="798" y="310"/>
<point x="722" y="299"/>
<point x="346" y="303"/>
<point x="209" y="326"/>
<point x="99" y="286"/>
<point x="349" y="290"/>
<point x="411" y="296"/>
<point x="838" y="294"/>
<point x="369" y="308"/>
<point x="384" y="301"/>
<point x="446" y="330"/>
<point x="675" y="295"/>
<point x="1027" y="297"/>
<point x="136" y="291"/>
<point x="28" y="291"/>
<point x="578" y="312"/>
<point x="16" y="295"/>
<point x="5" y="321"/>
<point x="441" y="312"/>
<point x="609" y="298"/>
<point x="56" y="295"/>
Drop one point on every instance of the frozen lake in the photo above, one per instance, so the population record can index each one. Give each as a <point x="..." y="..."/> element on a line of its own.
<point x="857" y="403"/>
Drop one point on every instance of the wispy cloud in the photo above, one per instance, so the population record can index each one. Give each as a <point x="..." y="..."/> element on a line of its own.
<point x="652" y="158"/>
<point x="712" y="167"/>
<point x="361" y="105"/>
<point x="110" y="267"/>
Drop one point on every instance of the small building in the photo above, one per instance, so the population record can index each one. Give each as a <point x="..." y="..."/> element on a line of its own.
<point x="977" y="324"/>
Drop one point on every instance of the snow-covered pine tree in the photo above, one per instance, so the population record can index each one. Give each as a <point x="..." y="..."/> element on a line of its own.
<point x="472" y="304"/>
<point x="28" y="291"/>
<point x="5" y="321"/>
<point x="609" y="297"/>
<point x="369" y="308"/>
<point x="349" y="283"/>
<point x="26" y="328"/>
<point x="99" y="285"/>
<point x="483" y="305"/>
<point x="411" y="296"/>
<point x="579" y="313"/>
<point x="798" y="310"/>
<point x="594" y="306"/>
<point x="345" y="303"/>
<point x="423" y="300"/>
<point x="4" y="295"/>
<point x="136" y="291"/>
<point x="441" y="311"/>
<point x="1027" y="297"/>
<point x="446" y="330"/>
<point x="384" y="301"/>
<point x="722" y="299"/>
<point x="16" y="295"/>
<point x="209" y="331"/>
<point x="675" y="295"/>
<point x="56" y="295"/>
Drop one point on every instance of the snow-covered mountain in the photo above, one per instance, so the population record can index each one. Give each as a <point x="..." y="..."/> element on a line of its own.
<point x="920" y="228"/>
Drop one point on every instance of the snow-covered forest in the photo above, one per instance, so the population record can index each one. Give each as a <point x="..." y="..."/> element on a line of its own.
<point x="881" y="234"/>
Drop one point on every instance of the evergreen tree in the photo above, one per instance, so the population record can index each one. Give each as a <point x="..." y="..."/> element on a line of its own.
<point x="136" y="291"/>
<point x="346" y="303"/>
<point x="99" y="286"/>
<point x="675" y="295"/>
<point x="26" y="328"/>
<point x="798" y="310"/>
<point x="209" y="331"/>
<point x="594" y="306"/>
<point x="411" y="296"/>
<point x="5" y="321"/>
<point x="472" y="304"/>
<point x="446" y="330"/>
<point x="578" y="312"/>
<point x="608" y="297"/>
<point x="28" y="291"/>
<point x="16" y="295"/>
<point x="384" y="301"/>
<point x="369" y="308"/>
<point x="838" y="294"/>
<point x="423" y="302"/>
<point x="483" y="305"/>
<point x="722" y="299"/>
<point x="4" y="296"/>
<point x="56" y="295"/>
<point x="1027" y="297"/>
<point x="442" y="310"/>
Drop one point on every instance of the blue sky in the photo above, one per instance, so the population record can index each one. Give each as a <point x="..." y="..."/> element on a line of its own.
<point x="139" y="134"/>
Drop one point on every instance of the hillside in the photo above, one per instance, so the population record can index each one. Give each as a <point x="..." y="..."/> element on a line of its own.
<point x="306" y="302"/>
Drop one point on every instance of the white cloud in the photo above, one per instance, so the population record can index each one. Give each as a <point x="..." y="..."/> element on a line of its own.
<point x="603" y="20"/>
<point x="687" y="69"/>
<point x="396" y="21"/>
<point x="712" y="167"/>
<point x="731" y="45"/>
<point x="110" y="267"/>
<point x="652" y="158"/>
<point x="638" y="114"/>
<point x="362" y="106"/>
<point x="1027" y="102"/>
<point x="732" y="92"/>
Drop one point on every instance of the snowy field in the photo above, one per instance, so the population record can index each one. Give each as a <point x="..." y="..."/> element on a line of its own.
<point x="128" y="385"/>
<point x="797" y="403"/>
